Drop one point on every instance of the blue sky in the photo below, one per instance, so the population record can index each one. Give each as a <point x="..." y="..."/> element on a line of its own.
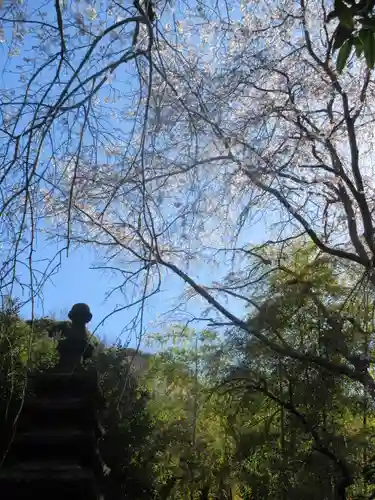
<point x="77" y="282"/>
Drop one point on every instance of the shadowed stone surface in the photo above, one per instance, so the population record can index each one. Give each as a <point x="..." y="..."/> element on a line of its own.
<point x="54" y="452"/>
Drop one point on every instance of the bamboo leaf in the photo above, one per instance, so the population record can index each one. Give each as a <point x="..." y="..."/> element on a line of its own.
<point x="343" y="55"/>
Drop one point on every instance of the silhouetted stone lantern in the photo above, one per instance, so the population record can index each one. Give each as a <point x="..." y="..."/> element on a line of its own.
<point x="74" y="345"/>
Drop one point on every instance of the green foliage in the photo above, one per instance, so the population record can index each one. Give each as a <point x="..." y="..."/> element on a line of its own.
<point x="210" y="417"/>
<point x="192" y="448"/>
<point x="125" y="447"/>
<point x="23" y="347"/>
<point x="245" y="420"/>
<point x="356" y="28"/>
<point x="315" y="425"/>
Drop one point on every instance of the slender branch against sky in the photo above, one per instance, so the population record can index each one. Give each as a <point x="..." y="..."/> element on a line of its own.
<point x="167" y="144"/>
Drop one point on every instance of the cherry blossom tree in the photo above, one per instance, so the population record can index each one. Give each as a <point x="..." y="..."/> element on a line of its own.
<point x="234" y="120"/>
<point x="61" y="106"/>
<point x="246" y="117"/>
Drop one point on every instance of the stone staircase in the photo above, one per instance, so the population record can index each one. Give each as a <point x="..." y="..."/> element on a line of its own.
<point x="54" y="452"/>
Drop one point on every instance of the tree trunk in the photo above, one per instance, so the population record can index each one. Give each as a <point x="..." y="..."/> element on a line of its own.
<point x="205" y="492"/>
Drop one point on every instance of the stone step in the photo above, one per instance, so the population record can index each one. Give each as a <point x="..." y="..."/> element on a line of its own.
<point x="52" y="444"/>
<point x="47" y="420"/>
<point x="51" y="469"/>
<point x="46" y="480"/>
<point x="87" y="457"/>
<point x="55" y="404"/>
<point x="56" y="435"/>
<point x="75" y="384"/>
<point x="57" y="411"/>
<point x="44" y="440"/>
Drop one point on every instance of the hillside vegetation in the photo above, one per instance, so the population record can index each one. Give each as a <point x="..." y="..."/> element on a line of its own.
<point x="211" y="416"/>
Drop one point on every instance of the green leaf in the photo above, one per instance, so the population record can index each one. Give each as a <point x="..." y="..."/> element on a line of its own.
<point x="368" y="41"/>
<point x="367" y="23"/>
<point x="338" y="5"/>
<point x="346" y="17"/>
<point x="342" y="34"/>
<point x="359" y="48"/>
<point x="343" y="55"/>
